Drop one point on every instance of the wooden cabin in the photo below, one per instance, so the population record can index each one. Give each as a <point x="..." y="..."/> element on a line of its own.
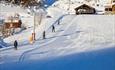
<point x="16" y="23"/>
<point x="85" y="9"/>
<point x="26" y="3"/>
<point x="113" y="8"/>
<point x="110" y="9"/>
<point x="9" y="26"/>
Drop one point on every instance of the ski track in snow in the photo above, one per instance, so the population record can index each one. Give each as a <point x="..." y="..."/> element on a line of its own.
<point x="25" y="54"/>
<point x="39" y="36"/>
<point x="21" y="58"/>
<point x="41" y="45"/>
<point x="30" y="52"/>
<point x="84" y="48"/>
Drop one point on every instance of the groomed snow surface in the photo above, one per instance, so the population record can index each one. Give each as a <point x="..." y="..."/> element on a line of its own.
<point x="80" y="42"/>
<point x="85" y="38"/>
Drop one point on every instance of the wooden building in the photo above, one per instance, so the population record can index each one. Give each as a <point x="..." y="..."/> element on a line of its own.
<point x="9" y="26"/>
<point x="85" y="9"/>
<point x="113" y="7"/>
<point x="16" y="23"/>
<point x="110" y="9"/>
<point x="26" y="3"/>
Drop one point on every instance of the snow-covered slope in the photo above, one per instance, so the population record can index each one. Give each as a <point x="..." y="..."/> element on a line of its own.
<point x="76" y="34"/>
<point x="2" y="43"/>
<point x="81" y="31"/>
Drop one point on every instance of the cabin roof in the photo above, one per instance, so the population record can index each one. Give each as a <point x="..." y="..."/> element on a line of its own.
<point x="83" y="5"/>
<point x="9" y="21"/>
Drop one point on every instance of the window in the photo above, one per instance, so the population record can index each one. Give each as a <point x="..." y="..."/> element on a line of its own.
<point x="108" y="9"/>
<point x="82" y="10"/>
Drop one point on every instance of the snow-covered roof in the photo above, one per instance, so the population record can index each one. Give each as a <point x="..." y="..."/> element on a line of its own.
<point x="8" y="21"/>
<point x="109" y="5"/>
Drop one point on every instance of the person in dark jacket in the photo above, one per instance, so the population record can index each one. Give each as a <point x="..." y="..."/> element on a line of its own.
<point x="53" y="28"/>
<point x="58" y="22"/>
<point x="44" y="35"/>
<point x="15" y="44"/>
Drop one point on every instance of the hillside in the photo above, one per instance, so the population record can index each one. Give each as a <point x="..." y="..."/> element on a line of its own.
<point x="79" y="42"/>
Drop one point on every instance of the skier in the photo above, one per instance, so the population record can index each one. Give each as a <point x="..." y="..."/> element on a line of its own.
<point x="58" y="22"/>
<point x="44" y="35"/>
<point x="15" y="44"/>
<point x="53" y="28"/>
